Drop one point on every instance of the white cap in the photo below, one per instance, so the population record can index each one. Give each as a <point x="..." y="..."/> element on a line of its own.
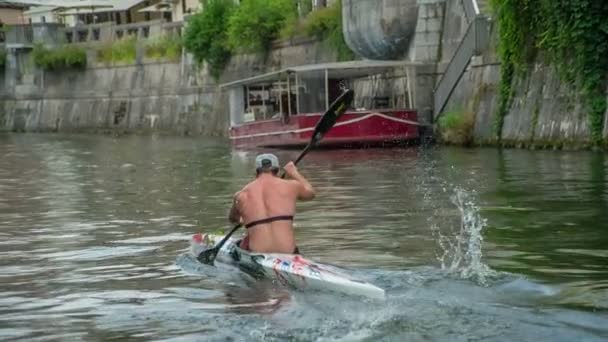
<point x="267" y="161"/>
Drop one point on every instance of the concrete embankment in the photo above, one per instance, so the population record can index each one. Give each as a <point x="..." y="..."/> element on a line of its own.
<point x="178" y="97"/>
<point x="171" y="97"/>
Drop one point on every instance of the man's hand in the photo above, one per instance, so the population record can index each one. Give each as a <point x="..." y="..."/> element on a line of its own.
<point x="305" y="190"/>
<point x="291" y="170"/>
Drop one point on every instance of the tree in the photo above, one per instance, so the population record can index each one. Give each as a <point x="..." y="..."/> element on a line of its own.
<point x="256" y="24"/>
<point x="206" y="35"/>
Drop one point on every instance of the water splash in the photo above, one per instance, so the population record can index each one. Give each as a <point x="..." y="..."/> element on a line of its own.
<point x="462" y="248"/>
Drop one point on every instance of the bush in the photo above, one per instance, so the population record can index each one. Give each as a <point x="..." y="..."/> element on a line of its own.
<point x="292" y="28"/>
<point x="326" y="24"/>
<point x="323" y="24"/>
<point x="206" y="35"/>
<point x="122" y="50"/>
<point x="67" y="56"/>
<point x="257" y="23"/>
<point x="164" y="47"/>
<point x="457" y="127"/>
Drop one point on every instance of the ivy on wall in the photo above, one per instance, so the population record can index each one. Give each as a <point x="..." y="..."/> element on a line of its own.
<point x="573" y="37"/>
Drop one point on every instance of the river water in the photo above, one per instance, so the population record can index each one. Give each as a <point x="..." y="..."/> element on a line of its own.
<point x="470" y="244"/>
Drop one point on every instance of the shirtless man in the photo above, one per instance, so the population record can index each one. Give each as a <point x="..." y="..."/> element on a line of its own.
<point x="267" y="205"/>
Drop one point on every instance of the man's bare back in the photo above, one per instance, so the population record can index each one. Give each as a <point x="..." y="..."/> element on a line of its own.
<point x="267" y="206"/>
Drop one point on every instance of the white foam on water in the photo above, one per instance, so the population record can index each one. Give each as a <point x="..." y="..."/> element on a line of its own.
<point x="462" y="247"/>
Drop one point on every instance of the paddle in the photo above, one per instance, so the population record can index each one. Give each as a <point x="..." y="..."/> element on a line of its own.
<point x="327" y="121"/>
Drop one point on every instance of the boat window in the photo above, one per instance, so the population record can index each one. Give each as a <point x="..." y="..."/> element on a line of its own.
<point x="260" y="103"/>
<point x="270" y="100"/>
<point x="311" y="92"/>
<point x="382" y="91"/>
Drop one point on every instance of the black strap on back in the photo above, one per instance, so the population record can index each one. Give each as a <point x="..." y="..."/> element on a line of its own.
<point x="269" y="220"/>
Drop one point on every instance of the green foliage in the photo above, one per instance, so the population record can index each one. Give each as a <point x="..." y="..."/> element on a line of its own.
<point x="456" y="127"/>
<point x="222" y="29"/>
<point x="326" y="24"/>
<point x="304" y="7"/>
<point x="322" y="22"/>
<point x="572" y="34"/>
<point x="206" y="35"/>
<point x="256" y="24"/>
<point x="166" y="46"/>
<point x="122" y="50"/>
<point x="2" y="58"/>
<point x="293" y="27"/>
<point x="63" y="57"/>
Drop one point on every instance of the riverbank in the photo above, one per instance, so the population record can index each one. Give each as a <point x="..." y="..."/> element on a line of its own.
<point x="147" y="96"/>
<point x="177" y="97"/>
<point x="537" y="108"/>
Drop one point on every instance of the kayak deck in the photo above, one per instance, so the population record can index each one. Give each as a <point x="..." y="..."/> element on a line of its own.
<point x="288" y="269"/>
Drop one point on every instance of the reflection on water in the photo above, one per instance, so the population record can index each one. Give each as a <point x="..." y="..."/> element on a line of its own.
<point x="469" y="244"/>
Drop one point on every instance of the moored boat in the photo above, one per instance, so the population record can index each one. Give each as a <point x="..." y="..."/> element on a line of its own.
<point x="281" y="108"/>
<point x="288" y="269"/>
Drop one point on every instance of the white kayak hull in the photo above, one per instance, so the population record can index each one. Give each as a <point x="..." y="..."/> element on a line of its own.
<point x="288" y="269"/>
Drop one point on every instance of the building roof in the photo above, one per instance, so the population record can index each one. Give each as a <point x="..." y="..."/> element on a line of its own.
<point x="40" y="9"/>
<point x="14" y="4"/>
<point x="123" y="5"/>
<point x="96" y="6"/>
<point x="350" y="69"/>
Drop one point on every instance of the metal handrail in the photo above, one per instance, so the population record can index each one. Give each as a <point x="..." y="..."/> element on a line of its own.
<point x="471" y="9"/>
<point x="474" y="42"/>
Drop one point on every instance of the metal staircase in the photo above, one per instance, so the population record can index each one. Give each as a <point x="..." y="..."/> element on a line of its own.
<point x="474" y="42"/>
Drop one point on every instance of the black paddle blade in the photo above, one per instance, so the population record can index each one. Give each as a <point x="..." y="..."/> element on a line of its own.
<point x="333" y="113"/>
<point x="207" y="257"/>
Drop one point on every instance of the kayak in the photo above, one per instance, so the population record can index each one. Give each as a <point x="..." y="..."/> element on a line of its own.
<point x="291" y="270"/>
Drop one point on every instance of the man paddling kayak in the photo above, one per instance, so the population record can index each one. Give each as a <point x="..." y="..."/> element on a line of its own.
<point x="267" y="206"/>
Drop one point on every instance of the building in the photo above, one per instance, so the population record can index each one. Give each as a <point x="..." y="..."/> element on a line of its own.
<point x="118" y="12"/>
<point x="12" y="13"/>
<point x="182" y="8"/>
<point x="43" y="14"/>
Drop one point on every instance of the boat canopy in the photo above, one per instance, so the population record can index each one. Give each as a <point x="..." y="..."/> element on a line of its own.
<point x="311" y="88"/>
<point x="350" y="69"/>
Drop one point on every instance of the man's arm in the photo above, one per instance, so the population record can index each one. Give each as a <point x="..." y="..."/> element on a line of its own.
<point x="305" y="189"/>
<point x="235" y="216"/>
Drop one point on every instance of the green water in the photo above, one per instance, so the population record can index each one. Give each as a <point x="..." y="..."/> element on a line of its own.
<point x="477" y="244"/>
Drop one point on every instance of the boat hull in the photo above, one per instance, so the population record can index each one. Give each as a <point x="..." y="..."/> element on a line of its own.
<point x="352" y="129"/>
<point x="288" y="269"/>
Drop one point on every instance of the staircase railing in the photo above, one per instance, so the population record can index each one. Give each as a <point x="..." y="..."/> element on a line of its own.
<point x="474" y="42"/>
<point x="471" y="9"/>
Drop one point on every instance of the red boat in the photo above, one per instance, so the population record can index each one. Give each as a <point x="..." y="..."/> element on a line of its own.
<point x="281" y="109"/>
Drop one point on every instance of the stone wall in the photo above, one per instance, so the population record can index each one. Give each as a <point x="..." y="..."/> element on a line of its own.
<point x="544" y="110"/>
<point x="128" y="98"/>
<point x="150" y="96"/>
<point x="176" y="98"/>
